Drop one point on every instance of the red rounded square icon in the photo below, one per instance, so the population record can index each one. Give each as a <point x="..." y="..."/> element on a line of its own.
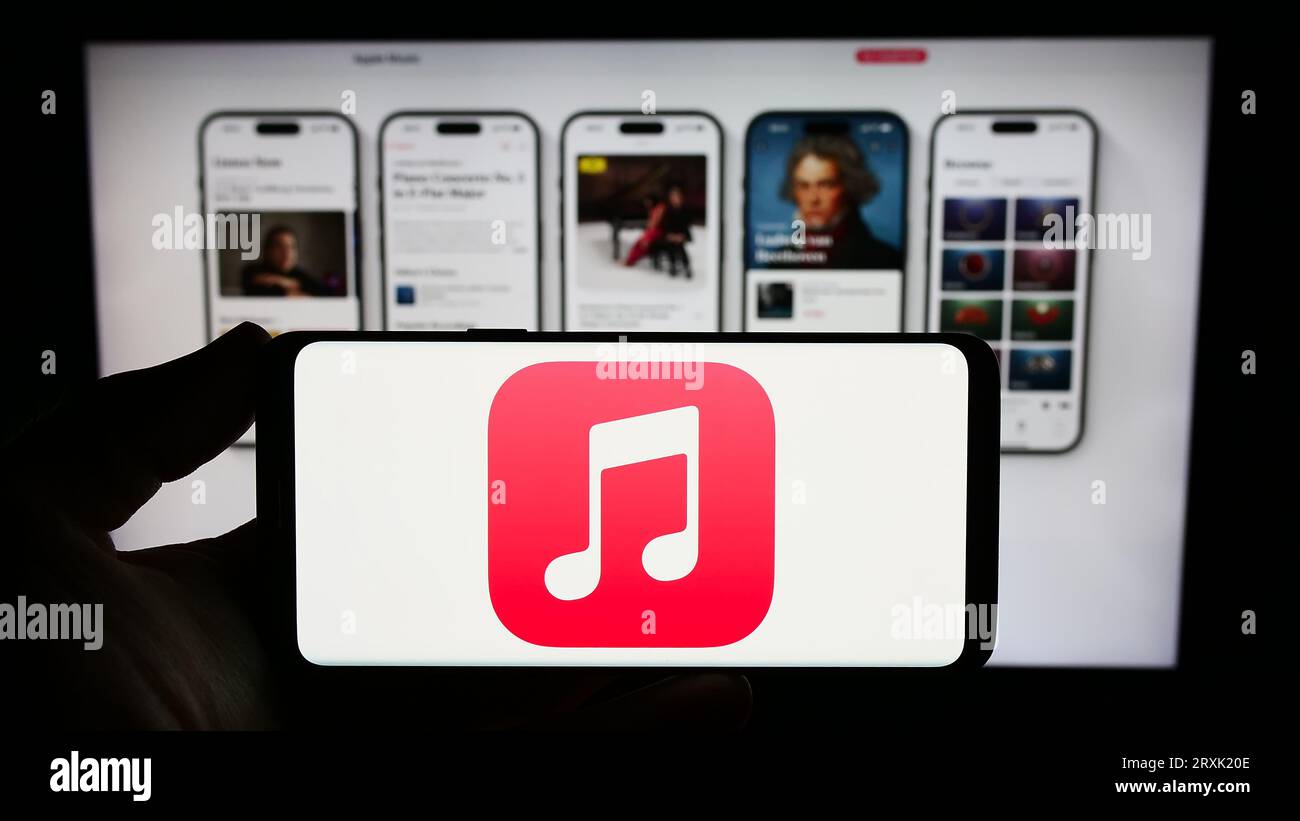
<point x="629" y="510"/>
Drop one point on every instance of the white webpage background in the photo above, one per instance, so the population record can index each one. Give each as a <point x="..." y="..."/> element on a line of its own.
<point x="1080" y="584"/>
<point x="392" y="515"/>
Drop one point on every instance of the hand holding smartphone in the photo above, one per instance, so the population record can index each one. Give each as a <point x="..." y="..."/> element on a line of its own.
<point x="632" y="500"/>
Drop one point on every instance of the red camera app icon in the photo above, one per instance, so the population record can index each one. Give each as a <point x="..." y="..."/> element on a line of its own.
<point x="631" y="512"/>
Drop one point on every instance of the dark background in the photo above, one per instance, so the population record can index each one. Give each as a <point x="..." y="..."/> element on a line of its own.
<point x="1058" y="733"/>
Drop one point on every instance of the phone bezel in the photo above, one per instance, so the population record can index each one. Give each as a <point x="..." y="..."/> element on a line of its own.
<point x="930" y="273"/>
<point x="744" y="204"/>
<point x="275" y="468"/>
<point x="537" y="196"/>
<point x="717" y="196"/>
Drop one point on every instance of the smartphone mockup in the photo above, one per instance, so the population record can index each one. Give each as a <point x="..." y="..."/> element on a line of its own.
<point x="1011" y="194"/>
<point x="825" y="221"/>
<point x="642" y="224"/>
<point x="285" y="185"/>
<point x="459" y="195"/>
<point x="577" y="499"/>
<point x="281" y="229"/>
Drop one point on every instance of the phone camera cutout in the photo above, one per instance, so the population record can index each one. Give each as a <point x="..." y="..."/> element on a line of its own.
<point x="278" y="128"/>
<point x="634" y="127"/>
<point x="1014" y="127"/>
<point x="459" y="128"/>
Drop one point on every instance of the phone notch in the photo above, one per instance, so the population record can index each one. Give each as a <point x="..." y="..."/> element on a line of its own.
<point x="1014" y="126"/>
<point x="640" y="127"/>
<point x="817" y="128"/>
<point x="279" y="128"/>
<point x="459" y="127"/>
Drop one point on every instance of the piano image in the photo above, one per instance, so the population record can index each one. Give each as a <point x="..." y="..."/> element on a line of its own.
<point x="630" y="191"/>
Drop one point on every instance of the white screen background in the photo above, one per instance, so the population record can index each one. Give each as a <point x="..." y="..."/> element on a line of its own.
<point x="391" y="503"/>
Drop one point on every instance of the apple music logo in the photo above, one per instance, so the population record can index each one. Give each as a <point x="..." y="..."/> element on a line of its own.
<point x="611" y="499"/>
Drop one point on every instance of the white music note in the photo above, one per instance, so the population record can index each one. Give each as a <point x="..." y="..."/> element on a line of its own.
<point x="625" y="442"/>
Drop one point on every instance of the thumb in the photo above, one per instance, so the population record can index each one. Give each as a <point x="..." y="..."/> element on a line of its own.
<point x="102" y="455"/>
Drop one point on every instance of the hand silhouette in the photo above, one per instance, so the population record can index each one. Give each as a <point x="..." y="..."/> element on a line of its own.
<point x="187" y="635"/>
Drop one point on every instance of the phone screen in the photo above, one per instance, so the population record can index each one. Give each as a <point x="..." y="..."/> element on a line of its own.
<point x="634" y="503"/>
<point x="1008" y="192"/>
<point x="825" y="228"/>
<point x="280" y="194"/>
<point x="460" y="226"/>
<point x="642" y="222"/>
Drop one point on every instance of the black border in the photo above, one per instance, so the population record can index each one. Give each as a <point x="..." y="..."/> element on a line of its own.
<point x="1092" y="197"/>
<point x="275" y="462"/>
<point x="722" y="183"/>
<point x="356" y="186"/>
<point x="744" y="200"/>
<point x="537" y="194"/>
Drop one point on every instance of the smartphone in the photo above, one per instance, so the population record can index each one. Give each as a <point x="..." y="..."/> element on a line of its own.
<point x="1011" y="194"/>
<point x="279" y="195"/>
<point x="579" y="499"/>
<point x="461" y="237"/>
<point x="641" y="244"/>
<point x="825" y="221"/>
